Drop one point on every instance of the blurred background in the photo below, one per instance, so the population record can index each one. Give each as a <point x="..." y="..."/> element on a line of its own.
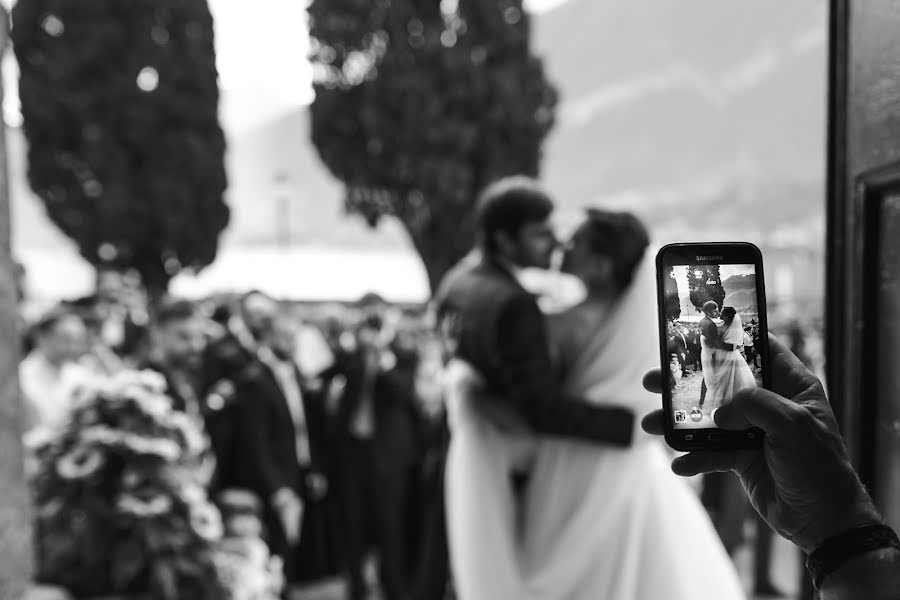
<point x="706" y="118"/>
<point x="287" y="148"/>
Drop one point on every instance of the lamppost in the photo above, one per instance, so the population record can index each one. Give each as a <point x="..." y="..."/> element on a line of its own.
<point x="283" y="198"/>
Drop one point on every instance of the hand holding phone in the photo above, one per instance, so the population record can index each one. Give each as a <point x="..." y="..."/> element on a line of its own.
<point x="801" y="482"/>
<point x="712" y="307"/>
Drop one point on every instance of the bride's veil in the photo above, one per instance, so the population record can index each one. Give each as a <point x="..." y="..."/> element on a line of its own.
<point x="611" y="367"/>
<point x="735" y="333"/>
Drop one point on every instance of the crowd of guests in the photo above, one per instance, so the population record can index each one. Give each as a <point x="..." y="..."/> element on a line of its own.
<point x="328" y="425"/>
<point x="683" y="343"/>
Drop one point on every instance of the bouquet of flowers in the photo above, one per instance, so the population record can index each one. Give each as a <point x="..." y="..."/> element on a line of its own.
<point x="121" y="507"/>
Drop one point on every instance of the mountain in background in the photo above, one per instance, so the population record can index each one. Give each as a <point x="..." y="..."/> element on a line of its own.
<point x="740" y="292"/>
<point x="739" y="283"/>
<point x="697" y="114"/>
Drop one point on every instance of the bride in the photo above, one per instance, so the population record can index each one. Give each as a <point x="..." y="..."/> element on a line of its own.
<point x="591" y="522"/>
<point x="732" y="372"/>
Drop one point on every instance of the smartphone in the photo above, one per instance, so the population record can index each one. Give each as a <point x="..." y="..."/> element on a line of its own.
<point x="713" y="336"/>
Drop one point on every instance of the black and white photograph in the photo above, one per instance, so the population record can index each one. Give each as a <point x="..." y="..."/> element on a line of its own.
<point x="713" y="337"/>
<point x="360" y="299"/>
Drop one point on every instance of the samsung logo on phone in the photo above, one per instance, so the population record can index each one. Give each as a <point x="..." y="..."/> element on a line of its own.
<point x="710" y="258"/>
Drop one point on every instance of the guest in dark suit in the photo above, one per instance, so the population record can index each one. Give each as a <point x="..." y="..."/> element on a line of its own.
<point x="375" y="432"/>
<point x="677" y="345"/>
<point x="281" y="457"/>
<point x="119" y="307"/>
<point x="496" y="325"/>
<point x="693" y="347"/>
<point x="235" y="349"/>
<point x="432" y="572"/>
<point x="177" y="343"/>
<point x="397" y="450"/>
<point x="226" y="358"/>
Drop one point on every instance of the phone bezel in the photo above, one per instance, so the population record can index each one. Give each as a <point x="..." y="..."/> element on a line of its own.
<point x="713" y="253"/>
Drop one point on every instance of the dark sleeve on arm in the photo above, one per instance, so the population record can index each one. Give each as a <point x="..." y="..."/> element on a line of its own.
<point x="531" y="386"/>
<point x="711" y="332"/>
<point x="257" y="423"/>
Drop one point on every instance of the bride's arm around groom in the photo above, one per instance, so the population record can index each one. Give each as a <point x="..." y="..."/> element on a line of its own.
<point x="534" y="389"/>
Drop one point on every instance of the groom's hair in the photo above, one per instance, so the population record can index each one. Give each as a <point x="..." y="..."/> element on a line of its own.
<point x="507" y="205"/>
<point x="710" y="306"/>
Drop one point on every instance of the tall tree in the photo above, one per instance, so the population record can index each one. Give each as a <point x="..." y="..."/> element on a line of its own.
<point x="705" y="284"/>
<point x="120" y="107"/>
<point x="419" y="104"/>
<point x="673" y="300"/>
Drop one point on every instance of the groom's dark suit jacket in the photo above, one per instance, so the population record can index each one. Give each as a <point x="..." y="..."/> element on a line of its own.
<point x="499" y="328"/>
<point x="709" y="330"/>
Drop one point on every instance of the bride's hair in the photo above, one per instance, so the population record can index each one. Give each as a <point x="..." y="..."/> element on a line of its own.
<point x="621" y="237"/>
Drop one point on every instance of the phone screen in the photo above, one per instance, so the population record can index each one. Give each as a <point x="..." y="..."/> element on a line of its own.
<point x="714" y="334"/>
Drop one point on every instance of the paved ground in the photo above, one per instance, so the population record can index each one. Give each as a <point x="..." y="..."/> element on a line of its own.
<point x="786" y="565"/>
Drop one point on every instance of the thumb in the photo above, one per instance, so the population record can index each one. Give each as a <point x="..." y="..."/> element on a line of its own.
<point x="758" y="407"/>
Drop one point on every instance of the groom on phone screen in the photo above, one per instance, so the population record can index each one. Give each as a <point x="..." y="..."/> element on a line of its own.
<point x="499" y="329"/>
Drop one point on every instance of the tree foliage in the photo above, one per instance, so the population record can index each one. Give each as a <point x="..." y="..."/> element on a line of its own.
<point x="419" y="104"/>
<point x="120" y="107"/>
<point x="673" y="301"/>
<point x="705" y="284"/>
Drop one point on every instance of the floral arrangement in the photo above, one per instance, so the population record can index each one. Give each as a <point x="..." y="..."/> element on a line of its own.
<point x="121" y="507"/>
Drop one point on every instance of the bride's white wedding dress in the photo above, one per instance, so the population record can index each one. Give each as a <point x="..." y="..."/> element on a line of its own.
<point x="595" y="523"/>
<point x="734" y="372"/>
<point x="726" y="371"/>
<point x="617" y="524"/>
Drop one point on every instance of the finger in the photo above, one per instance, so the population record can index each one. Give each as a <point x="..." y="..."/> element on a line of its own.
<point x="654" y="381"/>
<point x="654" y="422"/>
<point x="789" y="375"/>
<point x="695" y="463"/>
<point x="758" y="407"/>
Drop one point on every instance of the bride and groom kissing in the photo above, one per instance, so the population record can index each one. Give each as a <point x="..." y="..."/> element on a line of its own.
<point x="725" y="371"/>
<point x="552" y="491"/>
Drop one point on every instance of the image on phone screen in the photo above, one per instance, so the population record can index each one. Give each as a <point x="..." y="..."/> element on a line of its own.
<point x="714" y="341"/>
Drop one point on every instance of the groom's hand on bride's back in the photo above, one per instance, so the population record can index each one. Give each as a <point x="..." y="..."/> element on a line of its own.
<point x="801" y="481"/>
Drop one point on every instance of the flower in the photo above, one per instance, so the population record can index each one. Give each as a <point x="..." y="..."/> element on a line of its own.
<point x="79" y="463"/>
<point x="249" y="570"/>
<point x="148" y="401"/>
<point x="206" y="521"/>
<point x="149" y="380"/>
<point x="102" y="435"/>
<point x="40" y="439"/>
<point x="153" y="381"/>
<point x="192" y="439"/>
<point x="131" y="479"/>
<point x="164" y="449"/>
<point x="244" y="526"/>
<point x="155" y="506"/>
<point x="192" y="493"/>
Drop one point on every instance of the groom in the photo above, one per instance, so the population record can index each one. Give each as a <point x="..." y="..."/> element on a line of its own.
<point x="498" y="328"/>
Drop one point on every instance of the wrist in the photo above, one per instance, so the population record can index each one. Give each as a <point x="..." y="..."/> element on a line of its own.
<point x="845" y="512"/>
<point x="873" y="575"/>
